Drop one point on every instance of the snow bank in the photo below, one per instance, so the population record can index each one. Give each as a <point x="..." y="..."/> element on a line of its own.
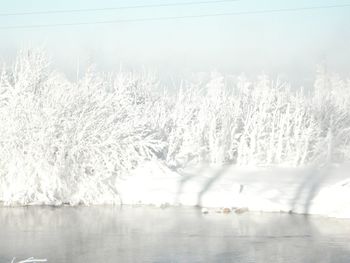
<point x="322" y="191"/>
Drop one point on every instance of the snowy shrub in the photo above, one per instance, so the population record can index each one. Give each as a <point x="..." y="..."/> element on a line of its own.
<point x="261" y="123"/>
<point x="68" y="142"/>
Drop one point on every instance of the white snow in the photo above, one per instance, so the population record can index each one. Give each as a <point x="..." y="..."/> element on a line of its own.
<point x="322" y="191"/>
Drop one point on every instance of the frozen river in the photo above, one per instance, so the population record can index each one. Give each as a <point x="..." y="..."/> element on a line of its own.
<point x="147" y="234"/>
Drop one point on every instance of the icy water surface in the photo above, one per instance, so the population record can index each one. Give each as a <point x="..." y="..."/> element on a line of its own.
<point x="146" y="234"/>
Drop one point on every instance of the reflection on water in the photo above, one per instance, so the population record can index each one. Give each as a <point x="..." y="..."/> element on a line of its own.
<point x="146" y="234"/>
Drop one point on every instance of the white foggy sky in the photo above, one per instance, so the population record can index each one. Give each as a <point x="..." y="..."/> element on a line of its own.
<point x="284" y="43"/>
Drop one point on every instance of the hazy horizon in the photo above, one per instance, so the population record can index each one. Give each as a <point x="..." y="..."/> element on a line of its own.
<point x="289" y="44"/>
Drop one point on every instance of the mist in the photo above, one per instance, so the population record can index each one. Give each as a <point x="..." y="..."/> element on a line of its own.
<point x="283" y="44"/>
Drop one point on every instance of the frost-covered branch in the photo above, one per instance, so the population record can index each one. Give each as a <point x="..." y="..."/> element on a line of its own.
<point x="29" y="260"/>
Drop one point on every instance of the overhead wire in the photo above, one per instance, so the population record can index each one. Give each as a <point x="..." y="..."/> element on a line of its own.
<point x="119" y="21"/>
<point x="66" y="11"/>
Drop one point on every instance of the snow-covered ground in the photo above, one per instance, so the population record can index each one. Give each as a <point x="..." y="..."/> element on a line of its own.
<point x="323" y="191"/>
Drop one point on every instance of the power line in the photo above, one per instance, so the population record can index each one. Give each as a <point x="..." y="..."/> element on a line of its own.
<point x="266" y="11"/>
<point x="45" y="12"/>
